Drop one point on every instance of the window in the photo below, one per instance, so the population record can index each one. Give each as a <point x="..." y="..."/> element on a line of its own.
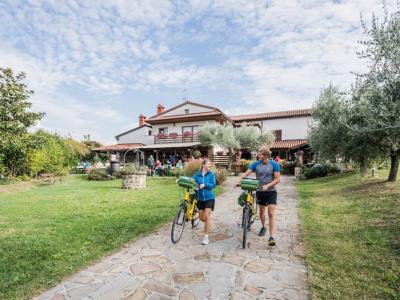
<point x="163" y="131"/>
<point x="277" y="134"/>
<point x="190" y="130"/>
<point x="186" y="110"/>
<point x="149" y="132"/>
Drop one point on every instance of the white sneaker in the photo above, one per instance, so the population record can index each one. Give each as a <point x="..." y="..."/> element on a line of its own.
<point x="205" y="240"/>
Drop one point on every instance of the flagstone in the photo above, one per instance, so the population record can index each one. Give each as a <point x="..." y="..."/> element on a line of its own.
<point x="185" y="278"/>
<point x="142" y="268"/>
<point x="158" y="287"/>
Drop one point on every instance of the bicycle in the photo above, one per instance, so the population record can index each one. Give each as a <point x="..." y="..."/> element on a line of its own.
<point x="187" y="210"/>
<point x="246" y="199"/>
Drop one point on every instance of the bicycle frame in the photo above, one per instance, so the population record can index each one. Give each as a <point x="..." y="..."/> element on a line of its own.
<point x="190" y="205"/>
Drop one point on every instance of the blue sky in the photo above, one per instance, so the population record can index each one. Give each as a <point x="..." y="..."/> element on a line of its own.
<point x="96" y="65"/>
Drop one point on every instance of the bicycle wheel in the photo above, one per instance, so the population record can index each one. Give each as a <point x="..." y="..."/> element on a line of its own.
<point x="195" y="220"/>
<point x="178" y="224"/>
<point x="245" y="224"/>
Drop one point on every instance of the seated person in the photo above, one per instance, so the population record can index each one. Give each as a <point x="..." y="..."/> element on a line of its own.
<point x="179" y="164"/>
<point x="158" y="168"/>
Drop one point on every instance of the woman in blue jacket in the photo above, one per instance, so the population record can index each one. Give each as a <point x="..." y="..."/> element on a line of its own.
<point x="205" y="196"/>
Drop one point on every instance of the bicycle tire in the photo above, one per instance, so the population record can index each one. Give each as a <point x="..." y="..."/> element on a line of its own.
<point x="245" y="224"/>
<point x="179" y="220"/>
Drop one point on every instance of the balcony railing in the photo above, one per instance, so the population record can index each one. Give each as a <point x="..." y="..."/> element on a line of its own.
<point x="174" y="138"/>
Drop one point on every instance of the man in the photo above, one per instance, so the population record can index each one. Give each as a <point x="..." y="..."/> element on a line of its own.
<point x="268" y="175"/>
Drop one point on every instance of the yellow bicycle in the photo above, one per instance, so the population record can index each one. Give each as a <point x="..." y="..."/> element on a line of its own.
<point x="187" y="210"/>
<point x="247" y="200"/>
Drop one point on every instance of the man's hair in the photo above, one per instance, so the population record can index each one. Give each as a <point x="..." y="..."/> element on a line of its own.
<point x="264" y="150"/>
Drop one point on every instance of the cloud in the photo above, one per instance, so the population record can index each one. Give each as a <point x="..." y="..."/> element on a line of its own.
<point x="89" y="61"/>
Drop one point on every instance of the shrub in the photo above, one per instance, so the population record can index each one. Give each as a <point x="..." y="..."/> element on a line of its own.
<point x="99" y="175"/>
<point x="320" y="170"/>
<point x="287" y="167"/>
<point x="221" y="175"/>
<point x="245" y="164"/>
<point x="132" y="169"/>
<point x="191" y="167"/>
<point x="178" y="172"/>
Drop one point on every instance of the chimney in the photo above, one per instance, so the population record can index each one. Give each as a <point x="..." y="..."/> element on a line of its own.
<point x="160" y="109"/>
<point x="142" y="120"/>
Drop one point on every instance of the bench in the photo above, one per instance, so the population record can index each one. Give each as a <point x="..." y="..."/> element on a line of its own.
<point x="47" y="178"/>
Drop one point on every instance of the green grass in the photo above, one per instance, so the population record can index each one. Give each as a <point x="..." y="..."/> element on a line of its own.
<point x="351" y="230"/>
<point x="49" y="232"/>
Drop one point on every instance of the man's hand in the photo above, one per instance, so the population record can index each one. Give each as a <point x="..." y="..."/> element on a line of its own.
<point x="237" y="184"/>
<point x="201" y="186"/>
<point x="265" y="187"/>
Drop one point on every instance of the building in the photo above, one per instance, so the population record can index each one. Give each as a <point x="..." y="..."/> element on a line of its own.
<point x="174" y="132"/>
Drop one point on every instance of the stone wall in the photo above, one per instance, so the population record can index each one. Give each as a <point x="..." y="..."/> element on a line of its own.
<point x="133" y="181"/>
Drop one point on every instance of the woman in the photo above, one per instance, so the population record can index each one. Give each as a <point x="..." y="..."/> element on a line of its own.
<point x="205" y="196"/>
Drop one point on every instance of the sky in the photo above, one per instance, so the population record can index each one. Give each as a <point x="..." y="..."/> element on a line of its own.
<point x="96" y="65"/>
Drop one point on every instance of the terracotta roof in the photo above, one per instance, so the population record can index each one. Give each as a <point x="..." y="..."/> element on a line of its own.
<point x="211" y="115"/>
<point x="157" y="119"/>
<point x="273" y="115"/>
<point x="182" y="104"/>
<point x="289" y="144"/>
<point x="118" y="147"/>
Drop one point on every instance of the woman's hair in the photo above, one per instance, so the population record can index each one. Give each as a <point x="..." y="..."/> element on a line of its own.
<point x="204" y="162"/>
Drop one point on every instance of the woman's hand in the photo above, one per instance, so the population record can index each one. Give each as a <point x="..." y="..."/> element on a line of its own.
<point x="201" y="186"/>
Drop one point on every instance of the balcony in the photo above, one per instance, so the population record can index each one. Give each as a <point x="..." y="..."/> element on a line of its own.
<point x="175" y="138"/>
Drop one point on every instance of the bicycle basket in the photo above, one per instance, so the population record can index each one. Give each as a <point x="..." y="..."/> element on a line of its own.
<point x="248" y="184"/>
<point x="186" y="182"/>
<point x="242" y="198"/>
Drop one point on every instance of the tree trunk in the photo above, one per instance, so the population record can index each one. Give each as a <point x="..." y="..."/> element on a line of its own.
<point x="363" y="167"/>
<point x="394" y="165"/>
<point x="230" y="159"/>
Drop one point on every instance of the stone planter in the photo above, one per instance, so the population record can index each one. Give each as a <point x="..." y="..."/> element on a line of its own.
<point x="134" y="182"/>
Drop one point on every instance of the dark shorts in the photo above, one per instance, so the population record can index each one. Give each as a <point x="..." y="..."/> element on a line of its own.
<point x="266" y="198"/>
<point x="202" y="205"/>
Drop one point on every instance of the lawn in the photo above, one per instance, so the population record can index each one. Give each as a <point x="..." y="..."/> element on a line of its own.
<point x="351" y="230"/>
<point x="49" y="232"/>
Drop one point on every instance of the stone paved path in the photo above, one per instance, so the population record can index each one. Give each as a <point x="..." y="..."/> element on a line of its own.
<point x="154" y="268"/>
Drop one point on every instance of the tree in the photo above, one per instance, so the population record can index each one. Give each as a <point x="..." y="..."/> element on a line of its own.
<point x="366" y="125"/>
<point x="382" y="82"/>
<point x="15" y="120"/>
<point x="250" y="139"/>
<point x="336" y="131"/>
<point x="231" y="138"/>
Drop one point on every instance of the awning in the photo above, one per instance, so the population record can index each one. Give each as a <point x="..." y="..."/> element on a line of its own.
<point x="170" y="145"/>
<point x="118" y="147"/>
<point x="288" y="144"/>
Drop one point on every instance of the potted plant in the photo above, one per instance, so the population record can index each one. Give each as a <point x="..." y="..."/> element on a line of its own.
<point x="161" y="136"/>
<point x="173" y="135"/>
<point x="133" y="177"/>
<point x="187" y="134"/>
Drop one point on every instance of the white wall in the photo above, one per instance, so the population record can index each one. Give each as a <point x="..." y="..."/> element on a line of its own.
<point x="292" y="128"/>
<point x="177" y="128"/>
<point x="140" y="135"/>
<point x="192" y="109"/>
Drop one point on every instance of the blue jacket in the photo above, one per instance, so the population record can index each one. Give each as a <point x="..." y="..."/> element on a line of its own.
<point x="209" y="181"/>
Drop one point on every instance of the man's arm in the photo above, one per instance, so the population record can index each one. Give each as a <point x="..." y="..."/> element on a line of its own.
<point x="277" y="179"/>
<point x="245" y="174"/>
